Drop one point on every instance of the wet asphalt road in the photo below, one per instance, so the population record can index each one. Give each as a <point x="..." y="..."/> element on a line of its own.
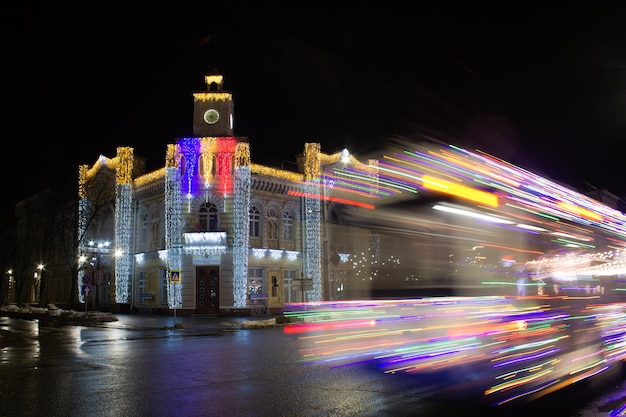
<point x="222" y="366"/>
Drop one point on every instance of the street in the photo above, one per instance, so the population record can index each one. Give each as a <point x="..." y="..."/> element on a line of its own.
<point x="145" y="366"/>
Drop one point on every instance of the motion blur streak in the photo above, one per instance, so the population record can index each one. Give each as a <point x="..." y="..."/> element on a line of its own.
<point x="523" y="280"/>
<point x="510" y="348"/>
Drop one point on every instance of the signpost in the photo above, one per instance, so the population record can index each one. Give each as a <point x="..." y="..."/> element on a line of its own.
<point x="175" y="279"/>
<point x="86" y="288"/>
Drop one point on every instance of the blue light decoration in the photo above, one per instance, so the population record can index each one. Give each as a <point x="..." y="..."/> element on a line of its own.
<point x="241" y="212"/>
<point x="190" y="148"/>
<point x="123" y="223"/>
<point x="173" y="226"/>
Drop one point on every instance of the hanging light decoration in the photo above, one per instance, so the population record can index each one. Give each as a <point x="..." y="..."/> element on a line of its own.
<point x="123" y="223"/>
<point x="241" y="212"/>
<point x="173" y="226"/>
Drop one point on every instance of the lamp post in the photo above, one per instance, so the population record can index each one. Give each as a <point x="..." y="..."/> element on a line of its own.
<point x="38" y="284"/>
<point x="82" y="259"/>
<point x="10" y="286"/>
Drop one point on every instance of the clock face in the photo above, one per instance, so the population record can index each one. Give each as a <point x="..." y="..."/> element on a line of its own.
<point x="211" y="116"/>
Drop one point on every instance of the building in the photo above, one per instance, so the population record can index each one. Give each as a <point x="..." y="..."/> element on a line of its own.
<point x="211" y="232"/>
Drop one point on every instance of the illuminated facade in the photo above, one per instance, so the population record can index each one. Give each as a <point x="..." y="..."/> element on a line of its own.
<point x="238" y="236"/>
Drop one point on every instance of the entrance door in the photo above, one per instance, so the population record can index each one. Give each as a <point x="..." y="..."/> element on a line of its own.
<point x="207" y="290"/>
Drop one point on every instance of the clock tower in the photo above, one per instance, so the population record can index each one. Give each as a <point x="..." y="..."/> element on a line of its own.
<point x="213" y="109"/>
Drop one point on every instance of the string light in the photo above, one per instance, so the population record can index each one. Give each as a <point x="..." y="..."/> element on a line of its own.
<point x="173" y="226"/>
<point x="241" y="233"/>
<point x="83" y="212"/>
<point x="123" y="223"/>
<point x="123" y="230"/>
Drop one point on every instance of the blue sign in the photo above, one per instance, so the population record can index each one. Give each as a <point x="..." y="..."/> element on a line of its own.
<point x="86" y="290"/>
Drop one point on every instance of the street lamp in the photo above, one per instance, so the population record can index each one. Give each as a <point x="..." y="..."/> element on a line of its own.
<point x="38" y="283"/>
<point x="10" y="287"/>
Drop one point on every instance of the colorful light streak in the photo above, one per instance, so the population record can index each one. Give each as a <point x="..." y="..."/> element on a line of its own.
<point x="330" y="198"/>
<point x="516" y="348"/>
<point x="459" y="190"/>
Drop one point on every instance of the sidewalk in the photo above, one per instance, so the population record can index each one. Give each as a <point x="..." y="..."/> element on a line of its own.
<point x="143" y="321"/>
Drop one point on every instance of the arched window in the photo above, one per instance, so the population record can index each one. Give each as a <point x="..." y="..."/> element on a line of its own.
<point x="272" y="223"/>
<point x="145" y="221"/>
<point x="183" y="166"/>
<point x="205" y="167"/>
<point x="255" y="222"/>
<point x="207" y="218"/>
<point x="287" y="226"/>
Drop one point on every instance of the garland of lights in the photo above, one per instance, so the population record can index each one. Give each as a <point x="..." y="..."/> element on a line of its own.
<point x="405" y="172"/>
<point x="83" y="210"/>
<point x="312" y="221"/>
<point x="207" y="149"/>
<point x="123" y="232"/>
<point x="123" y="224"/>
<point x="189" y="147"/>
<point x="313" y="239"/>
<point x="173" y="225"/>
<point x="241" y="211"/>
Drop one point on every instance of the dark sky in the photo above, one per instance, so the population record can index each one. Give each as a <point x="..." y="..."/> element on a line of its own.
<point x="540" y="86"/>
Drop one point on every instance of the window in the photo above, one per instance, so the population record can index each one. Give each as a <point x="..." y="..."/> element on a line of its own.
<point x="272" y="223"/>
<point x="287" y="226"/>
<point x="144" y="228"/>
<point x="255" y="222"/>
<point x="207" y="218"/>
<point x="289" y="275"/>
<point x="205" y="167"/>
<point x="256" y="282"/>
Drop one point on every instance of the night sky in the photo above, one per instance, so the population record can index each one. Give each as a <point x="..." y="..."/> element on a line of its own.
<point x="539" y="86"/>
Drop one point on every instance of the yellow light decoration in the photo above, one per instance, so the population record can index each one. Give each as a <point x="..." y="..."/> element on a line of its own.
<point x="312" y="161"/>
<point x="102" y="161"/>
<point x="208" y="146"/>
<point x="242" y="155"/>
<point x="215" y="78"/>
<point x="212" y="96"/>
<point x="82" y="181"/>
<point x="124" y="171"/>
<point x="341" y="157"/>
<point x="149" y="177"/>
<point x="170" y="156"/>
<point x="277" y="173"/>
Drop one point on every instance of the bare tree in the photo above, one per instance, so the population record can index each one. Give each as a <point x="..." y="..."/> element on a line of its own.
<point x="45" y="231"/>
<point x="72" y="229"/>
<point x="69" y="238"/>
<point x="7" y="256"/>
<point x="31" y="238"/>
